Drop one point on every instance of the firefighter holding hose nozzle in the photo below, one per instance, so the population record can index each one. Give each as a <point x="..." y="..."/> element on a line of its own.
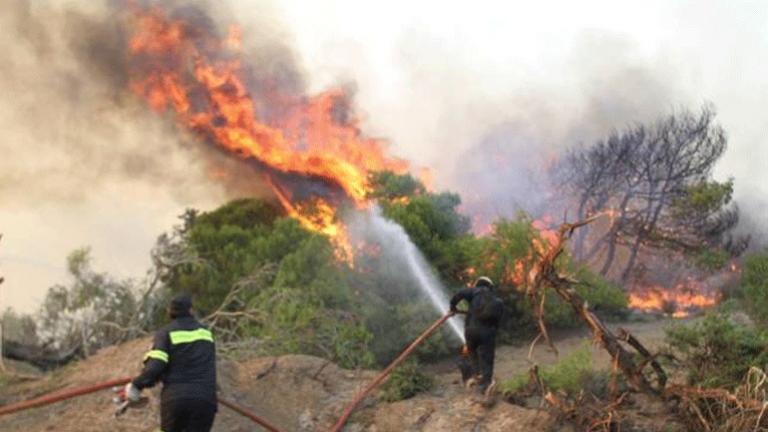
<point x="482" y="322"/>
<point x="183" y="357"/>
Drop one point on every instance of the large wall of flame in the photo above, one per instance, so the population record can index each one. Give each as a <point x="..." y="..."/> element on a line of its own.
<point x="485" y="97"/>
<point x="84" y="162"/>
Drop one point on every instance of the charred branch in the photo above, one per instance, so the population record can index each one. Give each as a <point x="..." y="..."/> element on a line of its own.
<point x="656" y="182"/>
<point x="544" y="275"/>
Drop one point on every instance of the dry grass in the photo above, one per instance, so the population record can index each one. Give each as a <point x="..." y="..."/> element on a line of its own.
<point x="720" y="410"/>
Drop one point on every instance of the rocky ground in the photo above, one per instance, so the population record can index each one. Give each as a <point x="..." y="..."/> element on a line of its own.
<point x="302" y="393"/>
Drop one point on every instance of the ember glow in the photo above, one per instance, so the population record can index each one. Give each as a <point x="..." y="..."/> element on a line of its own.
<point x="679" y="301"/>
<point x="522" y="272"/>
<point x="201" y="78"/>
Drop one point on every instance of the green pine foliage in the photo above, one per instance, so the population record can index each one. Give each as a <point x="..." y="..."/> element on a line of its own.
<point x="718" y="352"/>
<point x="754" y="285"/>
<point x="302" y="299"/>
<point x="314" y="304"/>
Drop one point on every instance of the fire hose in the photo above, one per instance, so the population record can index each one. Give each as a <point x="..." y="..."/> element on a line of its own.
<point x="80" y="391"/>
<point x="385" y="373"/>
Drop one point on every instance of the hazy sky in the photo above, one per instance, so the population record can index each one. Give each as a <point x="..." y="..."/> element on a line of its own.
<point x="432" y="78"/>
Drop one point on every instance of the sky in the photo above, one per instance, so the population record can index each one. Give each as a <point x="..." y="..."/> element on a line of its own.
<point x="436" y="80"/>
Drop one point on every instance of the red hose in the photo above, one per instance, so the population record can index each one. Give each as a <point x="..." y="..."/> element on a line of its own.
<point x="60" y="396"/>
<point x="80" y="391"/>
<point x="385" y="373"/>
<point x="244" y="412"/>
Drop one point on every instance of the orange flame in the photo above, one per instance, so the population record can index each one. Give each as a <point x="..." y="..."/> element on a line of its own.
<point x="201" y="79"/>
<point x="678" y="301"/>
<point x="523" y="272"/>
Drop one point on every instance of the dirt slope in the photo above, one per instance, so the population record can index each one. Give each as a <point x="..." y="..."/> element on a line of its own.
<point x="294" y="392"/>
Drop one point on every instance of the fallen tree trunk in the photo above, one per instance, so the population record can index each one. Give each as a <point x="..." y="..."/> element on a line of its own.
<point x="37" y="356"/>
<point x="544" y="275"/>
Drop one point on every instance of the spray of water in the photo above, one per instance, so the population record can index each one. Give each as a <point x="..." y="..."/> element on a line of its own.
<point x="393" y="237"/>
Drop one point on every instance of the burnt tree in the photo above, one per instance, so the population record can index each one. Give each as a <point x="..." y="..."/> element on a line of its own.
<point x="656" y="184"/>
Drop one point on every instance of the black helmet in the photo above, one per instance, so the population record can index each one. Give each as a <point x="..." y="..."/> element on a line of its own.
<point x="181" y="305"/>
<point x="484" y="281"/>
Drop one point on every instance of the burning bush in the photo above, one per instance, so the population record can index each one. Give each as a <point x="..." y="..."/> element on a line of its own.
<point x="507" y="255"/>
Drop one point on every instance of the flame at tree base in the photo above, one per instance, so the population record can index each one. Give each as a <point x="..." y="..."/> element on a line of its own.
<point x="679" y="302"/>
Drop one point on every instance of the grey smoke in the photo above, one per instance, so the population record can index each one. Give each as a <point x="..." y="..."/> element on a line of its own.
<point x="77" y="150"/>
<point x="83" y="161"/>
<point x="69" y="124"/>
<point x="504" y="169"/>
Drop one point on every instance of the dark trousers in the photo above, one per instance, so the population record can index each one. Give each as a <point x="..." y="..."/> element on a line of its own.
<point x="481" y="343"/>
<point x="187" y="415"/>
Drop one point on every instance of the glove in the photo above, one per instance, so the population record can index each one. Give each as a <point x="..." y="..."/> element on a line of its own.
<point x="132" y="393"/>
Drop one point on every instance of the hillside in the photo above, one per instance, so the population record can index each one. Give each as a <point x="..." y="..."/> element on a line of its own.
<point x="298" y="393"/>
<point x="295" y="392"/>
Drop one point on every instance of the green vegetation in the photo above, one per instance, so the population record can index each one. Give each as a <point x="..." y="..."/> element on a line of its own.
<point x="718" y="352"/>
<point x="91" y="312"/>
<point x="705" y="196"/>
<point x="507" y="256"/>
<point x="434" y="225"/>
<point x="314" y="304"/>
<point x="303" y="304"/>
<point x="571" y="374"/>
<point x="710" y="259"/>
<point x="258" y="274"/>
<point x="754" y="286"/>
<point x="406" y="381"/>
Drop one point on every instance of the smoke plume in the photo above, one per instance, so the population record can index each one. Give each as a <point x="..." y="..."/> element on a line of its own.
<point x="75" y="141"/>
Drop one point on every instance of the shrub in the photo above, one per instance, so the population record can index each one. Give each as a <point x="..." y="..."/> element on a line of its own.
<point x="754" y="284"/>
<point x="571" y="374"/>
<point x="710" y="259"/>
<point x="509" y="252"/>
<point x="605" y="297"/>
<point x="394" y="326"/>
<point x="298" y="322"/>
<point x="717" y="352"/>
<point x="406" y="381"/>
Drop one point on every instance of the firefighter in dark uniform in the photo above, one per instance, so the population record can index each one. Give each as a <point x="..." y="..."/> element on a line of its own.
<point x="183" y="357"/>
<point x="482" y="322"/>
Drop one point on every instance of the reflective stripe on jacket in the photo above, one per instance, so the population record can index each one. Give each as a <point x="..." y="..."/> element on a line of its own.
<point x="183" y="357"/>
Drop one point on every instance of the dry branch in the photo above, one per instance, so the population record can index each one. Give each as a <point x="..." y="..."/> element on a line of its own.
<point x="595" y="415"/>
<point x="720" y="410"/>
<point x="234" y="314"/>
<point x="544" y="275"/>
<point x="702" y="409"/>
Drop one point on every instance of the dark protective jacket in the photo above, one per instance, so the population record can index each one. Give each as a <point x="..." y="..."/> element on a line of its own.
<point x="485" y="307"/>
<point x="183" y="357"/>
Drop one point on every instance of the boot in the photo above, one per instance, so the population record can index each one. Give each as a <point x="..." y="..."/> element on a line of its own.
<point x="489" y="395"/>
